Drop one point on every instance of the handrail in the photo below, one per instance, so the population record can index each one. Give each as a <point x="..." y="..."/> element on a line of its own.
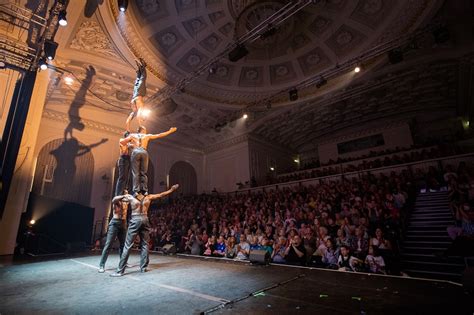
<point x="369" y="170"/>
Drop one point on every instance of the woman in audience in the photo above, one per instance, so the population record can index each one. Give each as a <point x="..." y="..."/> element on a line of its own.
<point x="330" y="255"/>
<point x="278" y="254"/>
<point x="374" y="261"/>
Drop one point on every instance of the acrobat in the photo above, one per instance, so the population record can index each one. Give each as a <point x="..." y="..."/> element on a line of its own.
<point x="139" y="156"/>
<point x="139" y="225"/>
<point x="117" y="229"/>
<point x="139" y="92"/>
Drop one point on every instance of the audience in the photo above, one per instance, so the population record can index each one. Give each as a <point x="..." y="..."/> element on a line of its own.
<point x="305" y="225"/>
<point x="350" y="224"/>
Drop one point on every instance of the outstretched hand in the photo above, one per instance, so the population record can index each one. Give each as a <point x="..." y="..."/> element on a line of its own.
<point x="175" y="187"/>
<point x="173" y="129"/>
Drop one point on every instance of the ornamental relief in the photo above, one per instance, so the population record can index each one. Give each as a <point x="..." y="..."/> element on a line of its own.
<point x="91" y="38"/>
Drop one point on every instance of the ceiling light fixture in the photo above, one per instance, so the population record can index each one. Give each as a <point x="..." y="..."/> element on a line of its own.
<point x="357" y="69"/>
<point x="62" y="18"/>
<point x="50" y="48"/>
<point x="238" y="53"/>
<point x="293" y="94"/>
<point x="123" y="5"/>
<point x="42" y="63"/>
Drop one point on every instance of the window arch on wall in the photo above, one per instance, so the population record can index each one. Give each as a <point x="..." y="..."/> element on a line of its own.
<point x="183" y="173"/>
<point x="64" y="171"/>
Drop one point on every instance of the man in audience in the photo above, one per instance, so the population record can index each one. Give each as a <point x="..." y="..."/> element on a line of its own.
<point x="242" y="249"/>
<point x="295" y="253"/>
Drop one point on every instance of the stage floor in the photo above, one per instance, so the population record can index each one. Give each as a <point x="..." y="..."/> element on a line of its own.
<point x="181" y="285"/>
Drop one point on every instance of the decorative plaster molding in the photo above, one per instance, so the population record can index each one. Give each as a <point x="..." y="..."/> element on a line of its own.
<point x="91" y="38"/>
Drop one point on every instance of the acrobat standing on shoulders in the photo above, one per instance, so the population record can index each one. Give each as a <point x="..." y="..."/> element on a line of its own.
<point x="139" y="92"/>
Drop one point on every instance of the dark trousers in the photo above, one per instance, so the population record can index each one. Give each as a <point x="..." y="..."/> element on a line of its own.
<point x="117" y="228"/>
<point x="139" y="88"/>
<point x="138" y="225"/>
<point x="123" y="165"/>
<point x="139" y="169"/>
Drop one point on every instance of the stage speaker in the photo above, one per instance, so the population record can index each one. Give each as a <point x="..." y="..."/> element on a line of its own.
<point x="259" y="256"/>
<point x="468" y="279"/>
<point x="169" y="249"/>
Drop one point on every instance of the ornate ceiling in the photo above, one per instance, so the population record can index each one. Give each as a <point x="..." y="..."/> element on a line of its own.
<point x="175" y="37"/>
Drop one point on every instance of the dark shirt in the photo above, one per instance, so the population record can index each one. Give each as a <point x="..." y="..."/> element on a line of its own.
<point x="293" y="258"/>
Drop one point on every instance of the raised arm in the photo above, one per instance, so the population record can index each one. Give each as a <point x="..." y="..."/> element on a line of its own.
<point x="121" y="197"/>
<point x="163" y="194"/>
<point x="163" y="134"/>
<point x="124" y="141"/>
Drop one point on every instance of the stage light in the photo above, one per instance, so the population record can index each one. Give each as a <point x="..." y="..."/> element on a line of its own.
<point x="296" y="160"/>
<point x="238" y="53"/>
<point x="62" y="18"/>
<point x="50" y="48"/>
<point x="293" y="94"/>
<point x="395" y="56"/>
<point x="68" y="80"/>
<point x="212" y="69"/>
<point x="357" y="69"/>
<point x="321" y="82"/>
<point x="272" y="169"/>
<point x="245" y="116"/>
<point x="43" y="64"/>
<point x="32" y="222"/>
<point x="145" y="112"/>
<point x="123" y="4"/>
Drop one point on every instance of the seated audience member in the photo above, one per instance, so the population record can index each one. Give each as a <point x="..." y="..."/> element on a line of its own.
<point x="379" y="241"/>
<point x="265" y="245"/>
<point x="196" y="244"/>
<point x="359" y="244"/>
<point x="230" y="249"/>
<point x="210" y="246"/>
<point x="242" y="249"/>
<point x="374" y="261"/>
<point x="295" y="253"/>
<point x="254" y="245"/>
<point x="330" y="255"/>
<point x="346" y="262"/>
<point x="341" y="238"/>
<point x="219" y="249"/>
<point x="278" y="253"/>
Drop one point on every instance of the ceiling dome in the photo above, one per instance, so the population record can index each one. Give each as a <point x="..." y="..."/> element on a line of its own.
<point x="177" y="37"/>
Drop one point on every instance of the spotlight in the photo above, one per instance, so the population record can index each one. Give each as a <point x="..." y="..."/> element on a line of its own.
<point x="32" y="222"/>
<point x="245" y="116"/>
<point x="50" y="48"/>
<point x="272" y="169"/>
<point x="296" y="161"/>
<point x="123" y="4"/>
<point x="213" y="68"/>
<point x="321" y="82"/>
<point x="145" y="112"/>
<point x="238" y="53"/>
<point x="43" y="64"/>
<point x="68" y="80"/>
<point x="395" y="56"/>
<point x="293" y="94"/>
<point x="62" y="18"/>
<point x="357" y="69"/>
